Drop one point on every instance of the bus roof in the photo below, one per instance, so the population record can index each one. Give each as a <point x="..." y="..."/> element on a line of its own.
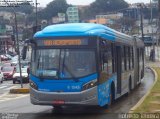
<point x="80" y="29"/>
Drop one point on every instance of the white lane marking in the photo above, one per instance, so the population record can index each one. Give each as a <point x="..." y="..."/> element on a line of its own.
<point x="10" y="88"/>
<point x="3" y="84"/>
<point x="3" y="95"/>
<point x="18" y="97"/>
<point x="3" y="87"/>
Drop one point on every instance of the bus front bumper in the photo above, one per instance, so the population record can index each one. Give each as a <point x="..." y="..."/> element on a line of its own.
<point x="87" y="97"/>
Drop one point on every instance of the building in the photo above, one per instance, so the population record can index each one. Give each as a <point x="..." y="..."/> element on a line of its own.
<point x="73" y="15"/>
<point x="6" y="15"/>
<point x="132" y="13"/>
<point x="108" y="19"/>
<point x="6" y="42"/>
<point x="110" y="16"/>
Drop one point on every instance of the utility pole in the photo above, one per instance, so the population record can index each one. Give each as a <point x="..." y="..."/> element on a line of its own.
<point x="141" y="16"/>
<point x="36" y="14"/>
<point x="17" y="41"/>
<point x="153" y="42"/>
<point x="158" y="22"/>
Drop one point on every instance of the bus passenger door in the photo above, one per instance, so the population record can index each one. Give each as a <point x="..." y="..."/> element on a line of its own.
<point x="119" y="68"/>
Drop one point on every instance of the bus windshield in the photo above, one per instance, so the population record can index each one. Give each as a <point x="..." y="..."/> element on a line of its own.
<point x="63" y="63"/>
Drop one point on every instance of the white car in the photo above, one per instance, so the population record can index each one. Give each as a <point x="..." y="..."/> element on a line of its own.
<point x="1" y="77"/>
<point x="16" y="76"/>
<point x="14" y="60"/>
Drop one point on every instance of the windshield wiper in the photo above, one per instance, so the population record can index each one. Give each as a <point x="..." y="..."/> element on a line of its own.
<point x="73" y="76"/>
<point x="41" y="73"/>
<point x="69" y="71"/>
<point x="38" y="62"/>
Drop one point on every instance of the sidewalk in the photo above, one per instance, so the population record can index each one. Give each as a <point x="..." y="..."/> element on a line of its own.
<point x="150" y="103"/>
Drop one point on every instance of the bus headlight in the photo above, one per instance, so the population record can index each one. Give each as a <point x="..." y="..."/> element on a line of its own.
<point x="33" y="85"/>
<point x="90" y="84"/>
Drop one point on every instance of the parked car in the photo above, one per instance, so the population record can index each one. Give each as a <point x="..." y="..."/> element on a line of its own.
<point x="25" y="63"/>
<point x="16" y="76"/>
<point x="9" y="56"/>
<point x="148" y="40"/>
<point x="4" y="58"/>
<point x="14" y="60"/>
<point x="6" y="64"/>
<point x="8" y="72"/>
<point x="1" y="77"/>
<point x="12" y="53"/>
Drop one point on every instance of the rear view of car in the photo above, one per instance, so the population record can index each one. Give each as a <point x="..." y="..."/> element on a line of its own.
<point x="4" y="58"/>
<point x="16" y="76"/>
<point x="8" y="72"/>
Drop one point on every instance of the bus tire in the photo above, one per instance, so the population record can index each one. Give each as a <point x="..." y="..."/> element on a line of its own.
<point x="130" y="85"/>
<point x="142" y="74"/>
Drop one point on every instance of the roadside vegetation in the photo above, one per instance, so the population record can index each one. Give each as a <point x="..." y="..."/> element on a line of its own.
<point x="152" y="102"/>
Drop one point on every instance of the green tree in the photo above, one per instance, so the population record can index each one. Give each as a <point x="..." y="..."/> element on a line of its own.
<point x="53" y="8"/>
<point x="104" y="6"/>
<point x="25" y="7"/>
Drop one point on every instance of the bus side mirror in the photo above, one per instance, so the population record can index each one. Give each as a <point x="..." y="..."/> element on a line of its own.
<point x="24" y="52"/>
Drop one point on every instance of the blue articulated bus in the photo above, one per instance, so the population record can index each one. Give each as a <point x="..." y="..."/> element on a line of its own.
<point x="83" y="64"/>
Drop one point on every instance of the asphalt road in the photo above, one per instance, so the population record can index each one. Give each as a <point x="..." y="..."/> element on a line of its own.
<point x="7" y="85"/>
<point x="26" y="110"/>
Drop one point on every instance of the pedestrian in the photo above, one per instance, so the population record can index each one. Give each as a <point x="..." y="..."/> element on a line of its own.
<point x="28" y="69"/>
<point x="151" y="55"/>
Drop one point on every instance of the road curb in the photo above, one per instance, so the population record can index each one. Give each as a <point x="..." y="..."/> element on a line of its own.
<point x="144" y="97"/>
<point x="19" y="91"/>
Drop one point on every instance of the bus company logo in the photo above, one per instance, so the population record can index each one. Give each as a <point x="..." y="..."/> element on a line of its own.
<point x="62" y="42"/>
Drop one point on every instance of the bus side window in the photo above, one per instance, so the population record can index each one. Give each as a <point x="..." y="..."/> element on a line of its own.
<point x="123" y="64"/>
<point x="107" y="59"/>
<point x="132" y="55"/>
<point x="129" y="57"/>
<point x="113" y="58"/>
<point x="110" y="62"/>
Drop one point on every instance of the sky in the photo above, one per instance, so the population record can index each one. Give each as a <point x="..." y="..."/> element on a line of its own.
<point x="43" y="3"/>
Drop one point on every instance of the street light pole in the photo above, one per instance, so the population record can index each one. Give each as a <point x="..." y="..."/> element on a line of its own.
<point x="36" y="14"/>
<point x="18" y="51"/>
<point x="159" y="21"/>
<point x="141" y="16"/>
<point x="17" y="41"/>
<point x="153" y="42"/>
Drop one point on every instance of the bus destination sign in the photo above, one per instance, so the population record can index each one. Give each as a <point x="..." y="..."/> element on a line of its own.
<point x="62" y="42"/>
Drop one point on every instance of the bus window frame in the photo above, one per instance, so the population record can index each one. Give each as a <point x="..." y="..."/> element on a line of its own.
<point x="95" y="48"/>
<point x="101" y="63"/>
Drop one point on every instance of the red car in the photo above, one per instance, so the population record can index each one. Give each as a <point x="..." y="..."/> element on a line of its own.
<point x="6" y="64"/>
<point x="4" y="58"/>
<point x="8" y="72"/>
